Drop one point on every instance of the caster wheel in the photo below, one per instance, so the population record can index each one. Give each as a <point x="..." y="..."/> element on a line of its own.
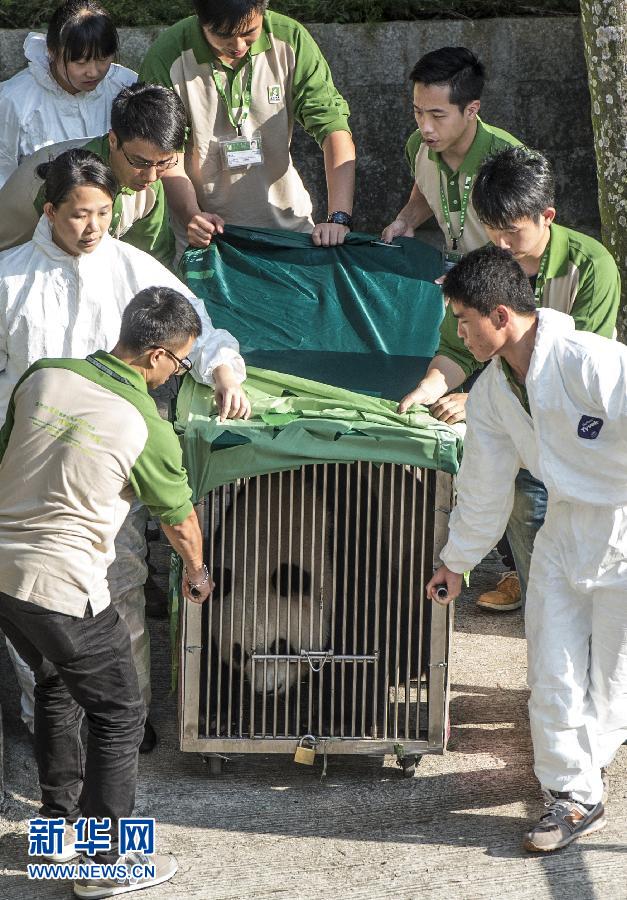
<point x="213" y="763"/>
<point x="407" y="765"/>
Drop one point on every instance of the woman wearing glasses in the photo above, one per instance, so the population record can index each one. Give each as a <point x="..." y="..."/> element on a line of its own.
<point x="62" y="294"/>
<point x="68" y="87"/>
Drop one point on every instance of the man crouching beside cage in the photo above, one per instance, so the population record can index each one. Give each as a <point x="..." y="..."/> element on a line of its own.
<point x="82" y="437"/>
<point x="553" y="401"/>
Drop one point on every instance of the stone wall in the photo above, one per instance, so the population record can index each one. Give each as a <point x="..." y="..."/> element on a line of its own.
<point x="536" y="89"/>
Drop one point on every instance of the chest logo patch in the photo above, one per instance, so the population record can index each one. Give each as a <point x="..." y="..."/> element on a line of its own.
<point x="589" y="427"/>
<point x="274" y="93"/>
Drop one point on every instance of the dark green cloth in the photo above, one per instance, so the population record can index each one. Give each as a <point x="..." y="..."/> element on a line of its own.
<point x="360" y="316"/>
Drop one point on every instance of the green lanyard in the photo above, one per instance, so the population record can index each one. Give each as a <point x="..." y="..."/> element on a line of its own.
<point x="541" y="276"/>
<point x="247" y="94"/>
<point x="462" y="213"/>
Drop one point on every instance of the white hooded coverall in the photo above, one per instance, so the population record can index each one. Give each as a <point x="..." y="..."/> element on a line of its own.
<point x="576" y="615"/>
<point x="56" y="305"/>
<point x="36" y="111"/>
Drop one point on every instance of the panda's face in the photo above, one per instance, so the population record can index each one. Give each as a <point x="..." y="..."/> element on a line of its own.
<point x="287" y="583"/>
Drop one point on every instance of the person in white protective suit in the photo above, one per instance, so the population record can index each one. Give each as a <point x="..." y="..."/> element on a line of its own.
<point x="68" y="87"/>
<point x="554" y="401"/>
<point x="62" y="294"/>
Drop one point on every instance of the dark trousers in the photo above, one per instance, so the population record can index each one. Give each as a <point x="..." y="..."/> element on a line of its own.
<point x="81" y="664"/>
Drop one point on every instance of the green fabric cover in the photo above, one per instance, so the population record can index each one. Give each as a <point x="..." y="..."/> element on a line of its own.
<point x="333" y="325"/>
<point x="296" y="421"/>
<point x="360" y="316"/>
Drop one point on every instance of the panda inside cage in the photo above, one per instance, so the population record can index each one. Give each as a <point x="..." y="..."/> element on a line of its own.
<point x="318" y="622"/>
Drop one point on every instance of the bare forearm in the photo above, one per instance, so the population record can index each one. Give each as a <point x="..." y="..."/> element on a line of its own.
<point x="442" y="376"/>
<point x="339" y="163"/>
<point x="186" y="539"/>
<point x="180" y="194"/>
<point x="416" y="211"/>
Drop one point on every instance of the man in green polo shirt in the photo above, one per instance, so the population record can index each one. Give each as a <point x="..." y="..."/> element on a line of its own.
<point x="446" y="150"/>
<point x="68" y="473"/>
<point x="148" y="125"/>
<point x="245" y="76"/>
<point x="514" y="198"/>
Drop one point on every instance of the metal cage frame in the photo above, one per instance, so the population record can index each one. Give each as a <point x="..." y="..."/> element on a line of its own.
<point x="430" y="729"/>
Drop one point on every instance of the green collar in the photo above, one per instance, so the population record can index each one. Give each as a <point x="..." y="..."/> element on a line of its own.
<point x="205" y="54"/>
<point x="101" y="147"/>
<point x="520" y="390"/>
<point x="476" y="154"/>
<point x="121" y="368"/>
<point x="557" y="264"/>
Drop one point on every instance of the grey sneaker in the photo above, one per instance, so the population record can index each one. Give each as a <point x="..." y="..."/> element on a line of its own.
<point x="565" y="821"/>
<point x="165" y="867"/>
<point x="68" y="852"/>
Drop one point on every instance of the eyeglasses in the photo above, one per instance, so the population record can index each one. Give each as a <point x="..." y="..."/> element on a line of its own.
<point x="144" y="164"/>
<point x="183" y="364"/>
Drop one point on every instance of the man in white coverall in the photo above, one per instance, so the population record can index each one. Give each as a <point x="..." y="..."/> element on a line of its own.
<point x="553" y="401"/>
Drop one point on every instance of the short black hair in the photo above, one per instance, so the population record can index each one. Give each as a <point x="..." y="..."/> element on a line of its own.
<point x="487" y="278"/>
<point x="228" y="16"/>
<point x="456" y="67"/>
<point x="514" y="184"/>
<point x="158" y="317"/>
<point x="149" y="112"/>
<point x="81" y="29"/>
<point x="75" y="168"/>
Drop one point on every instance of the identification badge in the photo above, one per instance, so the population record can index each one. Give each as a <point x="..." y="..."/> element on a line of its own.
<point x="450" y="258"/>
<point x="274" y="93"/>
<point x="241" y="152"/>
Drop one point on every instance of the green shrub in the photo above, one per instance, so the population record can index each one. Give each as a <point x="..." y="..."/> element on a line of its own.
<point x="35" y="13"/>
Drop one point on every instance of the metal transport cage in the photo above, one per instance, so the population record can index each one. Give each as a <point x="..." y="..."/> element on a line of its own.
<point x="319" y="625"/>
<point x="323" y="513"/>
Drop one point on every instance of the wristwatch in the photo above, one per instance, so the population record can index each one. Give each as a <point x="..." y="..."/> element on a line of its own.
<point x="340" y="218"/>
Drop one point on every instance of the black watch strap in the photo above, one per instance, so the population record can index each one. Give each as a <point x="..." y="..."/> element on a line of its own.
<point x="340" y="218"/>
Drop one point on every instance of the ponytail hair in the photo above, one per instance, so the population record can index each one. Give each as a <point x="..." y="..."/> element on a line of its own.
<point x="72" y="169"/>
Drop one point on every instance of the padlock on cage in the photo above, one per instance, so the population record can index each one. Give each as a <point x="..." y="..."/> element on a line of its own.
<point x="306" y="755"/>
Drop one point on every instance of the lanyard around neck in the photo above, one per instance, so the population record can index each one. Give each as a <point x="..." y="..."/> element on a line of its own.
<point x="228" y="99"/>
<point x="455" y="238"/>
<point x="100" y="365"/>
<point x="541" y="276"/>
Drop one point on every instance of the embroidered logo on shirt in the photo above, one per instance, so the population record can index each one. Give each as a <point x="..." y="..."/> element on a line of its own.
<point x="274" y="93"/>
<point x="589" y="427"/>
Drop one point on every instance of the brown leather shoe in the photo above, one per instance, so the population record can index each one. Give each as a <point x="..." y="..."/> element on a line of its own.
<point x="505" y="597"/>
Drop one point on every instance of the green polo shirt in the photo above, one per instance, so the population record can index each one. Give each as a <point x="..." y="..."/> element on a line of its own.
<point x="291" y="82"/>
<point x="139" y="217"/>
<point x="581" y="280"/>
<point x="68" y="472"/>
<point x="430" y="172"/>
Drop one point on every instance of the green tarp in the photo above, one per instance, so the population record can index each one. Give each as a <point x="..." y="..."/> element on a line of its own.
<point x="355" y="314"/>
<point x="363" y="316"/>
<point x="296" y="421"/>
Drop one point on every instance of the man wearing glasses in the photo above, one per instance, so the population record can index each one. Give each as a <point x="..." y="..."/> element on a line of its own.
<point x="55" y="603"/>
<point x="148" y="127"/>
